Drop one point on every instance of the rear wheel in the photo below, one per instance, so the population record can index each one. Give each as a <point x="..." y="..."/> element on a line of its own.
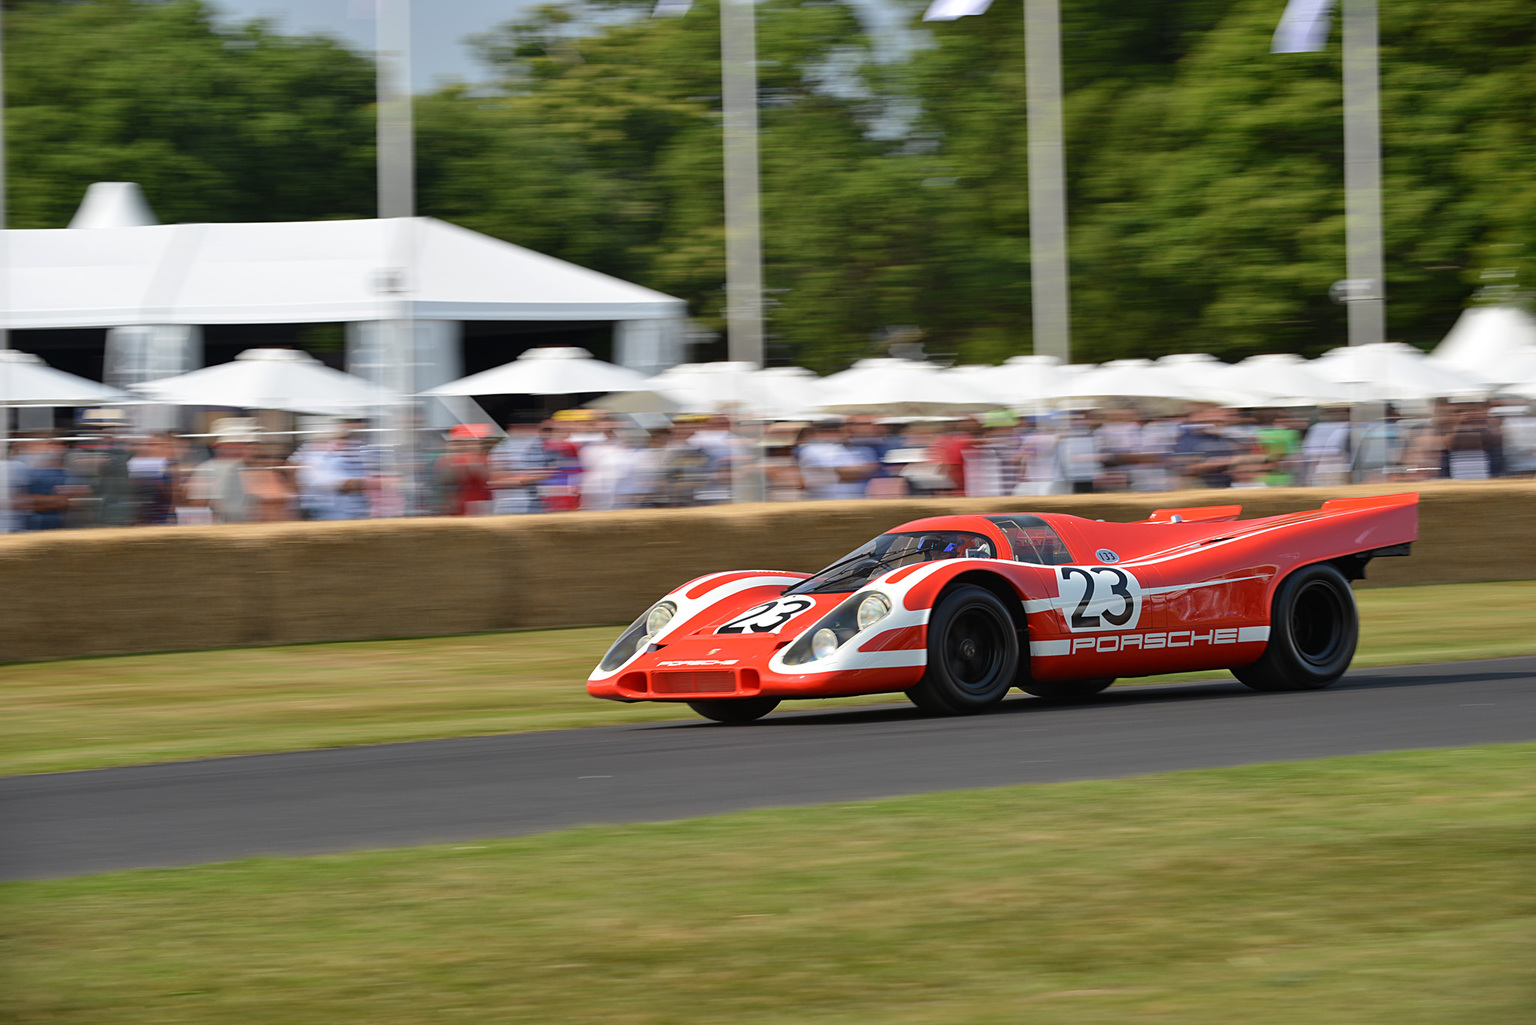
<point x="973" y="654"/>
<point x="734" y="711"/>
<point x="1066" y="691"/>
<point x="1313" y="628"/>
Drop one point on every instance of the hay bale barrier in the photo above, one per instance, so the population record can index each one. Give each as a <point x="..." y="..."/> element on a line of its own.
<point x="99" y="592"/>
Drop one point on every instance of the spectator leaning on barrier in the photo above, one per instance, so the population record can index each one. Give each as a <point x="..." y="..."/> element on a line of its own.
<point x="218" y="483"/>
<point x="463" y="471"/>
<point x="1077" y="455"/>
<point x="518" y="466"/>
<point x="48" y="487"/>
<point x="15" y="504"/>
<point x="829" y="467"/>
<point x="99" y="462"/>
<point x="334" y="474"/>
<point x="1205" y="451"/>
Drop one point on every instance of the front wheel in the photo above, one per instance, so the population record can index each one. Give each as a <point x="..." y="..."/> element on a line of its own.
<point x="973" y="654"/>
<point x="1066" y="691"/>
<point x="1313" y="628"/>
<point x="734" y="711"/>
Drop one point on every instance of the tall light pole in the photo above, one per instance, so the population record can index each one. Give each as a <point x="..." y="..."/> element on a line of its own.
<point x="1049" y="276"/>
<point x="394" y="345"/>
<point x="743" y="214"/>
<point x="1304" y="28"/>
<point x="1362" y="175"/>
<point x="6" y="512"/>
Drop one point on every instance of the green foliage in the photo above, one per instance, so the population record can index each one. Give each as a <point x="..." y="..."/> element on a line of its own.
<point x="215" y="125"/>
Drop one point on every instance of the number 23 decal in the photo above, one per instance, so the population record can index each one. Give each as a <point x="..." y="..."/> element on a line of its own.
<point x="1099" y="598"/>
<point x="767" y="619"/>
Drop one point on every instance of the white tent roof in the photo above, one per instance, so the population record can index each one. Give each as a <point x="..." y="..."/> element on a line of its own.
<point x="25" y="380"/>
<point x="270" y="379"/>
<point x="298" y="272"/>
<point x="1488" y="341"/>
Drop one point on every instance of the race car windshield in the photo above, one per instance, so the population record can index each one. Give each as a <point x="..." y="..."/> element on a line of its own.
<point x="890" y="551"/>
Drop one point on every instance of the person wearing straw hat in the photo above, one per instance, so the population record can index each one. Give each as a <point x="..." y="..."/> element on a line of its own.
<point x="218" y="483"/>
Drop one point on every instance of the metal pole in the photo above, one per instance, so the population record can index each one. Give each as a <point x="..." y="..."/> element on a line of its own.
<point x="1048" y="271"/>
<point x="397" y="199"/>
<point x="1362" y="199"/>
<point x="743" y="216"/>
<point x="5" y="313"/>
<point x="1362" y="174"/>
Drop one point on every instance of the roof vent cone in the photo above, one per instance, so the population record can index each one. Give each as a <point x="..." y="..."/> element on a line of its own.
<point x="114" y="205"/>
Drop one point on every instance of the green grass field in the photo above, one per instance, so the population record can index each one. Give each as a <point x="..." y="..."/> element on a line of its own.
<point x="96" y="712"/>
<point x="1393" y="889"/>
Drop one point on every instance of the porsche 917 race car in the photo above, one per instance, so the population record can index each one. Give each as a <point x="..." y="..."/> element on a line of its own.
<point x="956" y="610"/>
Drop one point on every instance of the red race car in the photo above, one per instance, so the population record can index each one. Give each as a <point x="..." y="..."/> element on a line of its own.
<point x="955" y="610"/>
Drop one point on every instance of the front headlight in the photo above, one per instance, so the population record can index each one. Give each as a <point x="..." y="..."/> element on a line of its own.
<point x="872" y="609"/>
<point x="838" y="627"/>
<point x="659" y="617"/>
<point x="638" y="635"/>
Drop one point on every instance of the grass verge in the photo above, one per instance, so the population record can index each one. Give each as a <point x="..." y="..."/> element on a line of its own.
<point x="89" y="713"/>
<point x="1387" y="888"/>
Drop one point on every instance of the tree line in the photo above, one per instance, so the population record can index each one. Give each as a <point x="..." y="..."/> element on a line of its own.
<point x="1205" y="175"/>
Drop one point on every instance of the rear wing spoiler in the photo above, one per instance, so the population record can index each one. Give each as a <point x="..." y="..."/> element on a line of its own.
<point x="1196" y="514"/>
<point x="1371" y="502"/>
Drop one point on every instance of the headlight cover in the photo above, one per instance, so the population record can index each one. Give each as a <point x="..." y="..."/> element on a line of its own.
<point x="638" y="635"/>
<point x="855" y="615"/>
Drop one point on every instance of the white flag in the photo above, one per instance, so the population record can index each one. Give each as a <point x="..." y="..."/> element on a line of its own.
<point x="949" y="10"/>
<point x="1304" y="27"/>
<point x="671" y="8"/>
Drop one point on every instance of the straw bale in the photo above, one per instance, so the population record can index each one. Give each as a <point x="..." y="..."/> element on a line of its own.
<point x="96" y="592"/>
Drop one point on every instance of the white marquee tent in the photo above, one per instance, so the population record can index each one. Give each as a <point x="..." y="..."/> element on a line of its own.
<point x="1492" y="342"/>
<point x="301" y="272"/>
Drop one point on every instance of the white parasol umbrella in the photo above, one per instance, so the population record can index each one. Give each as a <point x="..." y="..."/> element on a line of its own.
<point x="1394" y="372"/>
<point x="1279" y="379"/>
<point x="723" y="386"/>
<point x="555" y="370"/>
<point x="899" y="386"/>
<point x="25" y="380"/>
<point x="283" y="379"/>
<point x="1128" y="379"/>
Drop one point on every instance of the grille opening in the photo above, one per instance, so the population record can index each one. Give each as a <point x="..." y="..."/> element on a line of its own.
<point x="708" y="681"/>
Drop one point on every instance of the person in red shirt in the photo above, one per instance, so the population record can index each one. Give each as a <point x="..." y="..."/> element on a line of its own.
<point x="464" y="473"/>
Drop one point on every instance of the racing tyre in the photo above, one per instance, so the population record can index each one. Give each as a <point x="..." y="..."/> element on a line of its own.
<point x="1313" y="627"/>
<point x="1066" y="691"/>
<point x="735" y="711"/>
<point x="973" y="654"/>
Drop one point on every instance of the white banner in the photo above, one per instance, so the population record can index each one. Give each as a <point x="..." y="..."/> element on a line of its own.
<point x="1303" y="28"/>
<point x="949" y="10"/>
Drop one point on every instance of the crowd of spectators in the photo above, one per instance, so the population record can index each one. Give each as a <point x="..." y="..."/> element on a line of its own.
<point x="579" y="459"/>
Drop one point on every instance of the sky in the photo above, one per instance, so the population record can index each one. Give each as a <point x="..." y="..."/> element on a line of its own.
<point x="438" y="28"/>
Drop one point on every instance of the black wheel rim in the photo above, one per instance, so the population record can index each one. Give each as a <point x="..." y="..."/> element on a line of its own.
<point x="1317" y="623"/>
<point x="973" y="649"/>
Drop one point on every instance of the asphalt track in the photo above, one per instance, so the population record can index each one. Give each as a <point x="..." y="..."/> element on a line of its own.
<point x="309" y="802"/>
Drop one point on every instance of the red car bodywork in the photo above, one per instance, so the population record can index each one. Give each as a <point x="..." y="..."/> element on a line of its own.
<point x="1186" y="589"/>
